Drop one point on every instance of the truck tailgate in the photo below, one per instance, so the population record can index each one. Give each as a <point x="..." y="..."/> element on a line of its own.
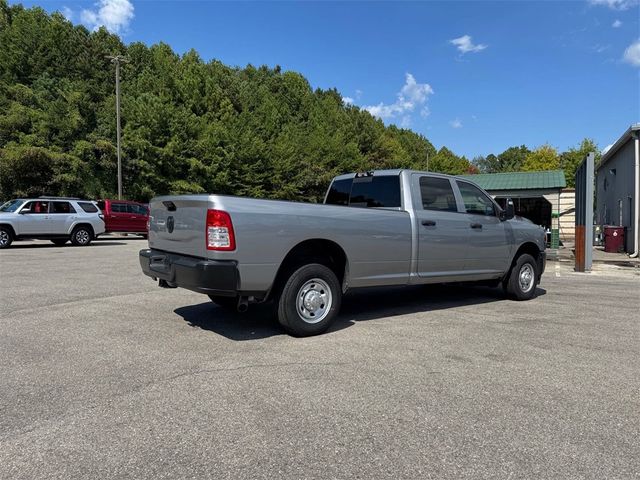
<point x="177" y="224"/>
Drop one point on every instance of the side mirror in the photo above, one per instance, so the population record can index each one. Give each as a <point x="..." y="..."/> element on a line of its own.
<point x="22" y="212"/>
<point x="509" y="211"/>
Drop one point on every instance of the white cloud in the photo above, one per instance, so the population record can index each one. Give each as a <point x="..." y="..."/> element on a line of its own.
<point x="616" y="24"/>
<point x="465" y="45"/>
<point x="114" y="15"/>
<point x="632" y="54"/>
<point x="67" y="13"/>
<point x="411" y="95"/>
<point x="347" y="100"/>
<point x="358" y="94"/>
<point x="616" y="4"/>
<point x="455" y="123"/>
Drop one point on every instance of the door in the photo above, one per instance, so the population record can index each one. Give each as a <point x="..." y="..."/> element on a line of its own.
<point x="61" y="217"/>
<point x="119" y="217"/>
<point x="34" y="218"/>
<point x="488" y="251"/>
<point x="138" y="217"/>
<point x="442" y="229"/>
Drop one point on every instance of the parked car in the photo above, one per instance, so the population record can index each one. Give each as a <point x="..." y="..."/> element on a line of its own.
<point x="125" y="216"/>
<point x="409" y="227"/>
<point x="58" y="219"/>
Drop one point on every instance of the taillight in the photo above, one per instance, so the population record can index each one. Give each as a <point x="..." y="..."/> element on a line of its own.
<point x="220" y="234"/>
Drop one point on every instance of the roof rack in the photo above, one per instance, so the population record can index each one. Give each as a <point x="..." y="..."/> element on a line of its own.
<point x="51" y="197"/>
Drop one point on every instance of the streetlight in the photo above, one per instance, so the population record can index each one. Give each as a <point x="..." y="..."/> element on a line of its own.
<point x="117" y="60"/>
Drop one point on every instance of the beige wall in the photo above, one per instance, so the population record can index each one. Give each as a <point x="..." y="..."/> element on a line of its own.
<point x="568" y="215"/>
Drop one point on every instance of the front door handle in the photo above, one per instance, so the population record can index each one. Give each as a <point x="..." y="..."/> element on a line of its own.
<point x="429" y="223"/>
<point x="476" y="225"/>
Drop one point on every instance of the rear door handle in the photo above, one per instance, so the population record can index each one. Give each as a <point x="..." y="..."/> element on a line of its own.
<point x="476" y="225"/>
<point x="429" y="223"/>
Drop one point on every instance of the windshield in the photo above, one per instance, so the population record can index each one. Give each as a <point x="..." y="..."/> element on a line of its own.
<point x="11" y="205"/>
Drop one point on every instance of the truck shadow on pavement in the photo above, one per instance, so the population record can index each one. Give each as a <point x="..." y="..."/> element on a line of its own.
<point x="359" y="305"/>
<point x="16" y="246"/>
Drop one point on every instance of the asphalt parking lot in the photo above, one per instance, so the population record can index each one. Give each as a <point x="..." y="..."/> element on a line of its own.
<point x="105" y="375"/>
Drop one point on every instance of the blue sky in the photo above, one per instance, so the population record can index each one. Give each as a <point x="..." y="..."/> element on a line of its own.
<point x="476" y="77"/>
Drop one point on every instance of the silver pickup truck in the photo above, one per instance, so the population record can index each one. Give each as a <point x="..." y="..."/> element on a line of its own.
<point x="388" y="227"/>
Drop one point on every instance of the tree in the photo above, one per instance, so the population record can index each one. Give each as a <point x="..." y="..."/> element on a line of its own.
<point x="545" y="157"/>
<point x="571" y="159"/>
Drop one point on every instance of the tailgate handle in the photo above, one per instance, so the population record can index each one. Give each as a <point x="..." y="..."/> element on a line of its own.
<point x="170" y="205"/>
<point x="476" y="225"/>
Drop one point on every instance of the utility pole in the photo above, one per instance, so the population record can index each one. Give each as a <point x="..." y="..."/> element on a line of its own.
<point x="117" y="60"/>
<point x="427" y="161"/>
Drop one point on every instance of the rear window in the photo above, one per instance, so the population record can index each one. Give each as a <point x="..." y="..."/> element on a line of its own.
<point x="372" y="192"/>
<point x="88" y="207"/>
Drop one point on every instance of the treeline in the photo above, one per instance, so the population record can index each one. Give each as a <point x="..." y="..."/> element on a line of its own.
<point x="189" y="126"/>
<point x="545" y="157"/>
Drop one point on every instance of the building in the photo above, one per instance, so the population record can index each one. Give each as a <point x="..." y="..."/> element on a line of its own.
<point x="617" y="186"/>
<point x="539" y="196"/>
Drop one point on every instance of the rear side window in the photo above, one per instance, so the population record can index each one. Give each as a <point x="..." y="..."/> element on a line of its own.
<point x="437" y="194"/>
<point x="119" y="207"/>
<point x="88" y="207"/>
<point x="376" y="192"/>
<point x="62" y="207"/>
<point x="339" y="192"/>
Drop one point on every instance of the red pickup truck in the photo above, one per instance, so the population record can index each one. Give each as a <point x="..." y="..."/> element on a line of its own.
<point x="125" y="216"/>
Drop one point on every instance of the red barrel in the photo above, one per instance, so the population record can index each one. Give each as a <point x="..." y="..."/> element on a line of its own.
<point x="613" y="239"/>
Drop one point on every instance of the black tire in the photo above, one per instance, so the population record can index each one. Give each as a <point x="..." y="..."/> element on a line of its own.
<point x="303" y="315"/>
<point x="6" y="237"/>
<point x="523" y="278"/>
<point x="81" y="236"/>
<point x="58" y="242"/>
<point x="229" y="303"/>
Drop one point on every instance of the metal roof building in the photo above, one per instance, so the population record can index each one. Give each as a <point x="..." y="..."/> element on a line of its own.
<point x="618" y="187"/>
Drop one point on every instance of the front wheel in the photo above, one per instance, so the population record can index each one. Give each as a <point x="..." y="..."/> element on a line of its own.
<point x="81" y="236"/>
<point x="523" y="278"/>
<point x="310" y="300"/>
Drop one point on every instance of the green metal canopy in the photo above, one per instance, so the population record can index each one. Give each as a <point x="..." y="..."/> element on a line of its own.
<point x="551" y="179"/>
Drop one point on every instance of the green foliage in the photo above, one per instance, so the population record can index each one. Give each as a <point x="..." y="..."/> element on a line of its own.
<point x="545" y="157"/>
<point x="190" y="126"/>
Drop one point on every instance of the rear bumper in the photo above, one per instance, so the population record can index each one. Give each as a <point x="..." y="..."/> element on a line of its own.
<point x="212" y="277"/>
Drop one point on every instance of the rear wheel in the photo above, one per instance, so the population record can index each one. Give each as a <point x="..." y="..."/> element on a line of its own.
<point x="229" y="303"/>
<point x="81" y="236"/>
<point x="58" y="242"/>
<point x="310" y="300"/>
<point x="523" y="279"/>
<point x="6" y="237"/>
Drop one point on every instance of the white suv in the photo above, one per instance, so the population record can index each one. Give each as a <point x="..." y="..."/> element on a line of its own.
<point x="58" y="219"/>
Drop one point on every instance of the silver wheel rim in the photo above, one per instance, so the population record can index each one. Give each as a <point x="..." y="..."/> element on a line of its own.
<point x="314" y="300"/>
<point x="4" y="238"/>
<point x="526" y="277"/>
<point x="82" y="237"/>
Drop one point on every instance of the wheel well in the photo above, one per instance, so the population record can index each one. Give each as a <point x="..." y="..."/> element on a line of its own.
<point x="527" y="247"/>
<point x="10" y="228"/>
<point x="321" y="251"/>
<point x="88" y="225"/>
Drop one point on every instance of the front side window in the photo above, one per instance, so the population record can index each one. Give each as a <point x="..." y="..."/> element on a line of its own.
<point x="62" y="207"/>
<point x="437" y="194"/>
<point x="36" y="206"/>
<point x="137" y="209"/>
<point x="475" y="201"/>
